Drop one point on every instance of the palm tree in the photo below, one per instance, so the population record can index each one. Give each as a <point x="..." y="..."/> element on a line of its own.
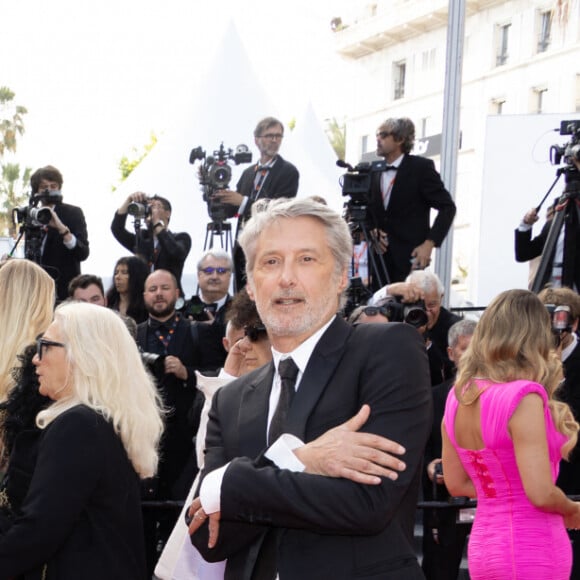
<point x="11" y="121"/>
<point x="336" y="133"/>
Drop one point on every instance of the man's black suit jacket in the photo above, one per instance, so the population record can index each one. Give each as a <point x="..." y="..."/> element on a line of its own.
<point x="173" y="248"/>
<point x="60" y="262"/>
<point x="280" y="181"/>
<point x="183" y="403"/>
<point x="328" y="527"/>
<point x="417" y="188"/>
<point x="528" y="248"/>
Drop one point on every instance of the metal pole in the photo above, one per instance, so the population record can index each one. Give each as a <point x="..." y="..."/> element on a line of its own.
<point x="450" y="129"/>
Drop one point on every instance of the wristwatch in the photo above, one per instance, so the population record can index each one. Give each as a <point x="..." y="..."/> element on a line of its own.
<point x="65" y="233"/>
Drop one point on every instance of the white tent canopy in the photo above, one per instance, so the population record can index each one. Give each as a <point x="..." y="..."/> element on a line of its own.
<point x="230" y="100"/>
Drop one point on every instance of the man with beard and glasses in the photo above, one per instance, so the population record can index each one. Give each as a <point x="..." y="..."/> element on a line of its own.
<point x="290" y="487"/>
<point x="167" y="334"/>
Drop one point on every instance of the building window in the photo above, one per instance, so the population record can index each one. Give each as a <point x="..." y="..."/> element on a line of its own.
<point x="364" y="144"/>
<point x="539" y="95"/>
<point x="503" y="33"/>
<point x="399" y="70"/>
<point x="545" y="27"/>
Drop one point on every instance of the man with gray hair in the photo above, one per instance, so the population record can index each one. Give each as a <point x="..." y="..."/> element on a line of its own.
<point x="208" y="307"/>
<point x="291" y="485"/>
<point x="443" y="537"/>
<point x="402" y="196"/>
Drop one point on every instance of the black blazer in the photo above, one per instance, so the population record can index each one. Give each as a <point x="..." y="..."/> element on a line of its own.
<point x="82" y="514"/>
<point x="328" y="528"/>
<point x="280" y="181"/>
<point x="417" y="189"/>
<point x="60" y="262"/>
<point x="528" y="248"/>
<point x="173" y="248"/>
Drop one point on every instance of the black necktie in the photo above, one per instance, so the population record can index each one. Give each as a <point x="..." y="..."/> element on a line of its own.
<point x="288" y="372"/>
<point x="391" y="168"/>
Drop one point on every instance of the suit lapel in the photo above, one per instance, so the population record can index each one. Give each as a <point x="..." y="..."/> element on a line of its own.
<point x="320" y="368"/>
<point x="254" y="412"/>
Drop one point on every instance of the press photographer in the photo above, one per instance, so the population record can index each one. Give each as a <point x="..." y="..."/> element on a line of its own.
<point x="152" y="240"/>
<point x="55" y="233"/>
<point x="559" y="239"/>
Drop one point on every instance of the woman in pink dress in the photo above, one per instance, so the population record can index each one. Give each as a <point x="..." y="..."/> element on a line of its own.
<point x="503" y="437"/>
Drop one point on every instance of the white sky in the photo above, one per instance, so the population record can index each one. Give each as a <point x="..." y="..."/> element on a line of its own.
<point x="97" y="78"/>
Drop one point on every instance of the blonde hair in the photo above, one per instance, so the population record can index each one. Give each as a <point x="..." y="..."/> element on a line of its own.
<point x="26" y="307"/>
<point x="107" y="375"/>
<point x="512" y="341"/>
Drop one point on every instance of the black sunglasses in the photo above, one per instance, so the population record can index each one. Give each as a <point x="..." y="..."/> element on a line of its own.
<point x="383" y="134"/>
<point x="42" y="343"/>
<point x="376" y="310"/>
<point x="209" y="270"/>
<point x="254" y="333"/>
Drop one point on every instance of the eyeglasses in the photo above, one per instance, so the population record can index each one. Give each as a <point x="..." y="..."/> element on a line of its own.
<point x="255" y="332"/>
<point x="376" y="310"/>
<point x="42" y="343"/>
<point x="383" y="134"/>
<point x="273" y="136"/>
<point x="209" y="270"/>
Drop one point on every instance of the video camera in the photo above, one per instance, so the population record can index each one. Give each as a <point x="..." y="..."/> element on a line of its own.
<point x="562" y="321"/>
<point x="31" y="218"/>
<point x="215" y="173"/>
<point x="570" y="151"/>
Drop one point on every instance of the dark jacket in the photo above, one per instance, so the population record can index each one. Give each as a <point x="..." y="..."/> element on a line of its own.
<point x="172" y="251"/>
<point x="82" y="515"/>
<point x="416" y="190"/>
<point x="323" y="527"/>
<point x="60" y="262"/>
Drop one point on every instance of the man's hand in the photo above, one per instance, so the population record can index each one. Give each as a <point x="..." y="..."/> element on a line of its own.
<point x="380" y="241"/>
<point x="228" y="196"/>
<point x="531" y="217"/>
<point x="175" y="366"/>
<point x="406" y="291"/>
<point x="138" y="196"/>
<point x="422" y="255"/>
<point x="197" y="517"/>
<point x="360" y="457"/>
<point x="235" y="361"/>
<point x="431" y="472"/>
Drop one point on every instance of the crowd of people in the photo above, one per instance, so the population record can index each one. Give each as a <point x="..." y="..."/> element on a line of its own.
<point x="267" y="427"/>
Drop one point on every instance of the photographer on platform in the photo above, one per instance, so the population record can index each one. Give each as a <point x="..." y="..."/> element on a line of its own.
<point x="65" y="242"/>
<point x="271" y="177"/>
<point x="402" y="197"/>
<point x="156" y="244"/>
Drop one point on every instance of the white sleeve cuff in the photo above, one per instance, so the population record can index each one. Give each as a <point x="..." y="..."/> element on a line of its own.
<point x="281" y="453"/>
<point x="210" y="490"/>
<point x="71" y="243"/>
<point x="524" y="227"/>
<point x="243" y="205"/>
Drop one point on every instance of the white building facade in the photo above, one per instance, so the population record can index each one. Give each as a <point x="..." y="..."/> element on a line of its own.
<point x="520" y="57"/>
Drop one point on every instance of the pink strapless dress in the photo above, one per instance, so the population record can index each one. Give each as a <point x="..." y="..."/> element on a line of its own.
<point x="510" y="538"/>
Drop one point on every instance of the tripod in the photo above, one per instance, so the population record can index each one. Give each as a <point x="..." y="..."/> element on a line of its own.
<point x="567" y="216"/>
<point x="221" y="229"/>
<point x="358" y="224"/>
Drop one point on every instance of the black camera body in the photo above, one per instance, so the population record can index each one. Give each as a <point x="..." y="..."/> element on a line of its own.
<point x="413" y="313"/>
<point x="139" y="210"/>
<point x="215" y="173"/>
<point x="570" y="151"/>
<point x="356" y="182"/>
<point x="196" y="310"/>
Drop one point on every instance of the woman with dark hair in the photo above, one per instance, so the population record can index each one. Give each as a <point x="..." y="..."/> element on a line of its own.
<point x="503" y="437"/>
<point x="126" y="294"/>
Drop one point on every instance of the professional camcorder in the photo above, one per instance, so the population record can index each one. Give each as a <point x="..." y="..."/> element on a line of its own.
<point x="215" y="173"/>
<point x="139" y="210"/>
<point x="562" y="320"/>
<point x="570" y="151"/>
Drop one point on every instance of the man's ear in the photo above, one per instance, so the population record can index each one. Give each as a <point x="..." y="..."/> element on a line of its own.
<point x="250" y="291"/>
